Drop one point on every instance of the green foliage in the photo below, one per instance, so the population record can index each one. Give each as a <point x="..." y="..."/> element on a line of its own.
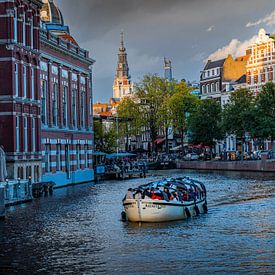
<point x="152" y="92"/>
<point x="105" y="139"/>
<point x="204" y="123"/>
<point x="264" y="123"/>
<point x="239" y="114"/>
<point x="129" y="117"/>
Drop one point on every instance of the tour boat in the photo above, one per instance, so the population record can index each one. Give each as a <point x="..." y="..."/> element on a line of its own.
<point x="188" y="199"/>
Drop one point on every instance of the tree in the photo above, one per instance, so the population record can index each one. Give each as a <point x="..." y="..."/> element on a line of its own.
<point x="239" y="115"/>
<point x="181" y="104"/>
<point x="105" y="139"/>
<point x="151" y="92"/>
<point x="264" y="127"/>
<point x="129" y="118"/>
<point x="205" y="123"/>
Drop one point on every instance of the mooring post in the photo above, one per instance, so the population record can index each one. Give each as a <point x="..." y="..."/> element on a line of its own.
<point x="2" y="202"/>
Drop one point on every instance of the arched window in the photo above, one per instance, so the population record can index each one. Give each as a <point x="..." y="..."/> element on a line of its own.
<point x="15" y="32"/>
<point x="207" y="88"/>
<point x="24" y="29"/>
<point x="203" y="89"/>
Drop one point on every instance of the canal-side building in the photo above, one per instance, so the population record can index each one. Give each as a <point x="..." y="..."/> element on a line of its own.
<point x="20" y="87"/>
<point x="45" y="95"/>
<point x="66" y="102"/>
<point x="219" y="77"/>
<point x="261" y="62"/>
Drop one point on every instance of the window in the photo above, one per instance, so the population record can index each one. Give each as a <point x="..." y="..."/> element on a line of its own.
<point x="58" y="157"/>
<point x="203" y="89"/>
<point x="15" y="32"/>
<point x="55" y="104"/>
<point x="213" y="72"/>
<point x="83" y="109"/>
<point x="78" y="156"/>
<point x="207" y="88"/>
<point x="65" y="107"/>
<point x="26" y="134"/>
<point x="67" y="161"/>
<point x="217" y="86"/>
<point x="43" y="102"/>
<point x="24" y="81"/>
<point x="208" y="73"/>
<point x="24" y="30"/>
<point x="16" y="75"/>
<point x="74" y="107"/>
<point x="86" y="155"/>
<point x="32" y="83"/>
<point x="47" y="157"/>
<point x="17" y="131"/>
<point x="31" y="32"/>
<point x="213" y="88"/>
<point x="33" y="136"/>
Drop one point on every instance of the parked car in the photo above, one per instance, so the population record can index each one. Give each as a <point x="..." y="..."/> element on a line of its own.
<point x="258" y="154"/>
<point x="191" y="156"/>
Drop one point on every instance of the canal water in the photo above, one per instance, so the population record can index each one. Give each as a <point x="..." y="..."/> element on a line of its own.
<point x="78" y="231"/>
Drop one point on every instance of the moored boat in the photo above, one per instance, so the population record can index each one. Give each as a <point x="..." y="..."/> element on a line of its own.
<point x="165" y="200"/>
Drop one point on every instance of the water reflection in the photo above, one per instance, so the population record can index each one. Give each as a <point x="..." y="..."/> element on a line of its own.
<point x="78" y="230"/>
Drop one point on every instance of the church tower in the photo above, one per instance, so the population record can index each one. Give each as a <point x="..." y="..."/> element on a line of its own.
<point x="122" y="82"/>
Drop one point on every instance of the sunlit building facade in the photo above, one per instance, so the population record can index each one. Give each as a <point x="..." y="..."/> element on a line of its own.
<point x="261" y="63"/>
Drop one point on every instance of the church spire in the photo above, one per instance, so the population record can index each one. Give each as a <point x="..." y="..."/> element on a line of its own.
<point x="122" y="82"/>
<point x="122" y="40"/>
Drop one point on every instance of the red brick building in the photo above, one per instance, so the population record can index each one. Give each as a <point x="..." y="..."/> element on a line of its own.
<point x="45" y="95"/>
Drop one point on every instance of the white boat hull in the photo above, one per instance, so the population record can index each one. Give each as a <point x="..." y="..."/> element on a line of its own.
<point x="148" y="210"/>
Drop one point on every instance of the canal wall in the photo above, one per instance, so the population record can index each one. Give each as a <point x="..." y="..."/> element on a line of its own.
<point x="2" y="202"/>
<point x="253" y="165"/>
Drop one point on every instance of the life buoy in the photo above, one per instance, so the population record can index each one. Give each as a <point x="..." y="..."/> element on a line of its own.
<point x="123" y="216"/>
<point x="205" y="209"/>
<point x="187" y="212"/>
<point x="197" y="210"/>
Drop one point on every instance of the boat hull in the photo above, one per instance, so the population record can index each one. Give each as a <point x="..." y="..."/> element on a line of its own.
<point x="142" y="210"/>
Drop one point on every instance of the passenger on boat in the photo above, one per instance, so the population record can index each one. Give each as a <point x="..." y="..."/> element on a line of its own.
<point x="166" y="194"/>
<point x="147" y="194"/>
<point x="129" y="194"/>
<point x="185" y="196"/>
<point x="174" y="196"/>
<point x="138" y="194"/>
<point x="156" y="194"/>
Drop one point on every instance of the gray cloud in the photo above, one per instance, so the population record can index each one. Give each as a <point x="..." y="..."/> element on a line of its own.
<point x="158" y="28"/>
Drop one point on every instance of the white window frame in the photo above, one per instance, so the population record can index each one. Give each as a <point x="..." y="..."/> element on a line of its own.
<point x="17" y="134"/>
<point x="15" y="26"/>
<point x="26" y="134"/>
<point x="33" y="135"/>
<point x="24" y="81"/>
<point x="16" y="79"/>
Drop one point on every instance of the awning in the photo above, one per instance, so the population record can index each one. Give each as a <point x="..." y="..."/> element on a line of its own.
<point x="159" y="141"/>
<point x="96" y="153"/>
<point x="198" y="146"/>
<point x="177" y="148"/>
<point x="120" y="155"/>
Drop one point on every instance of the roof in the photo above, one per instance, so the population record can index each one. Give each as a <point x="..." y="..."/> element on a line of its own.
<point x="214" y="64"/>
<point x="107" y="114"/>
<point x="68" y="37"/>
<point x="241" y="80"/>
<point x="242" y="58"/>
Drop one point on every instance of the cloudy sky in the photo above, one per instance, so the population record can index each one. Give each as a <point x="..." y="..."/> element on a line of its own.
<point x="186" y="31"/>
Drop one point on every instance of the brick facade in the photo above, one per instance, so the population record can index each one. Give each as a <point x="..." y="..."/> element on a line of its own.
<point x="33" y="120"/>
